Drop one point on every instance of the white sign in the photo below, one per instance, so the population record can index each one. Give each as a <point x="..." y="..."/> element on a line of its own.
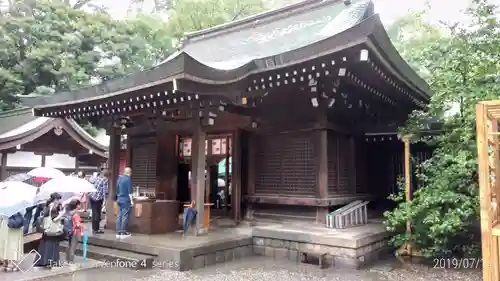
<point x="28" y="261"/>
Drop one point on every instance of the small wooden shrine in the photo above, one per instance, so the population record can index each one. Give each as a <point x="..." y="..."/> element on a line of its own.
<point x="309" y="98"/>
<point x="28" y="142"/>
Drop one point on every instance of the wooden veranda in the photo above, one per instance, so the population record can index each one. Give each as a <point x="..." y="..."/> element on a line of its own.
<point x="487" y="116"/>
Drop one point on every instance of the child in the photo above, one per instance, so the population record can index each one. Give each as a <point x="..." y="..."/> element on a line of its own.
<point x="74" y="229"/>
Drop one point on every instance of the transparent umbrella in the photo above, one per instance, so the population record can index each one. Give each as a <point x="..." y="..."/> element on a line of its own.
<point x="15" y="197"/>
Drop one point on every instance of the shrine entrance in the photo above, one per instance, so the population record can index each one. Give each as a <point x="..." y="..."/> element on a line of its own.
<point x="217" y="173"/>
<point x="487" y="117"/>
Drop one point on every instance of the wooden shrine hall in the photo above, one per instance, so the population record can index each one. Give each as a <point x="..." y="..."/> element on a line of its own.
<point x="28" y="142"/>
<point x="300" y="94"/>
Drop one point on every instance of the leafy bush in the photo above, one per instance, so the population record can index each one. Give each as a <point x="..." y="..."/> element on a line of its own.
<point x="444" y="212"/>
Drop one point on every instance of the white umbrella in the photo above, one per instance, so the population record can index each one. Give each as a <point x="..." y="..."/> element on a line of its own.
<point x="65" y="185"/>
<point x="46" y="173"/>
<point x="16" y="197"/>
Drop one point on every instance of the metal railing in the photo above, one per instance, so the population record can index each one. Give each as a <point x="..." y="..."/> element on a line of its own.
<point x="354" y="213"/>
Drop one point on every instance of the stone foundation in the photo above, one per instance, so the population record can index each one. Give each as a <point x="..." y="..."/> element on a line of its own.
<point x="336" y="256"/>
<point x="222" y="256"/>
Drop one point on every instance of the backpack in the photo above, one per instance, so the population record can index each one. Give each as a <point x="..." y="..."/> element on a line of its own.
<point x="16" y="221"/>
<point x="68" y="226"/>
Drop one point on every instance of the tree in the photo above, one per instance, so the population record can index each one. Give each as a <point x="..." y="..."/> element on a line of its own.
<point x="193" y="15"/>
<point x="47" y="47"/>
<point x="444" y="212"/>
<point x="75" y="4"/>
<point x="411" y="35"/>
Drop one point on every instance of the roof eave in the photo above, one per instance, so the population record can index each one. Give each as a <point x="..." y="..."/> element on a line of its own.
<point x="380" y="43"/>
<point x="28" y="136"/>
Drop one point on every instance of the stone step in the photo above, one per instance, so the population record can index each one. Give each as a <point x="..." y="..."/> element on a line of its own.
<point x="114" y="257"/>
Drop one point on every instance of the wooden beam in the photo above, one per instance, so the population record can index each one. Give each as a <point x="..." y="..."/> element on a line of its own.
<point x="231" y="90"/>
<point x="236" y="180"/>
<point x="306" y="201"/>
<point x="252" y="162"/>
<point x="44" y="160"/>
<point x="489" y="249"/>
<point x="113" y="165"/>
<point x="407" y="164"/>
<point x="226" y="177"/>
<point x="198" y="172"/>
<point x="321" y="151"/>
<point x="3" y="167"/>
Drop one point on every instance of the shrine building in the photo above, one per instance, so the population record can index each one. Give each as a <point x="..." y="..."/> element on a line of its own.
<point x="301" y="106"/>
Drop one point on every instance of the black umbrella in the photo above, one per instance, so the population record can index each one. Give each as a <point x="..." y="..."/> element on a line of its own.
<point x="23" y="178"/>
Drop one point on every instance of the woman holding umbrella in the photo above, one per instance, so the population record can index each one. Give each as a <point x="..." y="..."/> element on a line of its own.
<point x="11" y="241"/>
<point x="52" y="222"/>
<point x="14" y="198"/>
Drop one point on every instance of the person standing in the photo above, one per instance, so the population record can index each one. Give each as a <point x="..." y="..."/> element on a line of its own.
<point x="11" y="241"/>
<point x="83" y="196"/>
<point x="49" y="248"/>
<point x="124" y="202"/>
<point x="97" y="199"/>
<point x="74" y="229"/>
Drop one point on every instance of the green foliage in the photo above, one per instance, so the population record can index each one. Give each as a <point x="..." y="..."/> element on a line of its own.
<point x="91" y="130"/>
<point x="444" y="213"/>
<point x="47" y="47"/>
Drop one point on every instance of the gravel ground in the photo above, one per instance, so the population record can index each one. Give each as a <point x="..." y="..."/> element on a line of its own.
<point x="263" y="269"/>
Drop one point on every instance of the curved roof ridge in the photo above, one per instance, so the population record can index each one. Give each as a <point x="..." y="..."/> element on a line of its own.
<point x="25" y="128"/>
<point x="30" y="125"/>
<point x="270" y="15"/>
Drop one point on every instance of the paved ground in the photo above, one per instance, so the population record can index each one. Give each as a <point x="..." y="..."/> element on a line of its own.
<point x="263" y="269"/>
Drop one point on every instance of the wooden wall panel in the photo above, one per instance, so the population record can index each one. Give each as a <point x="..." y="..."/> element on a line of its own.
<point x="286" y="165"/>
<point x="166" y="172"/>
<point x="341" y="174"/>
<point x="361" y="166"/>
<point x="144" y="159"/>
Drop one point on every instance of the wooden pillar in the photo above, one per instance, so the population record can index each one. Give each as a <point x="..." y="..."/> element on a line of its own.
<point x="113" y="168"/>
<point x="236" y="176"/>
<point x="44" y="160"/>
<point x="198" y="172"/>
<point x="407" y="165"/>
<point x="209" y="179"/>
<point x="226" y="177"/>
<point x="128" y="154"/>
<point x="113" y="162"/>
<point x="3" y="166"/>
<point x="251" y="171"/>
<point x="321" y="151"/>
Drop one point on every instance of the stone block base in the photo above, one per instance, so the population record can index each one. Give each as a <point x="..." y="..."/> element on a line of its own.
<point x="222" y="256"/>
<point x="337" y="257"/>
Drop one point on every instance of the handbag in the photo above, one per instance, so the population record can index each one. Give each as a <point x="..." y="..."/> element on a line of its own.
<point x="16" y="221"/>
<point x="52" y="228"/>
